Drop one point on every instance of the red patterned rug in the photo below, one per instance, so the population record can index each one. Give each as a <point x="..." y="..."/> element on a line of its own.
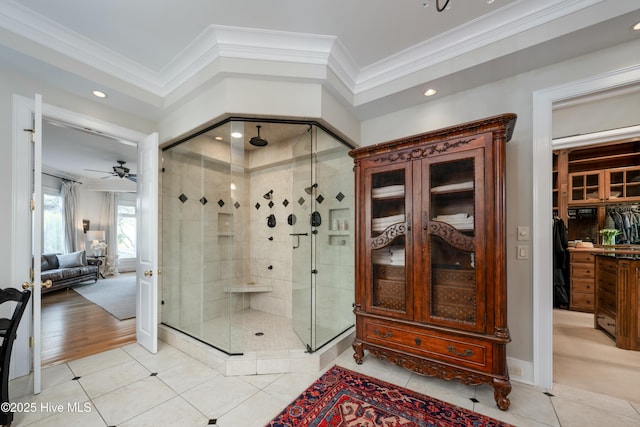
<point x="344" y="398"/>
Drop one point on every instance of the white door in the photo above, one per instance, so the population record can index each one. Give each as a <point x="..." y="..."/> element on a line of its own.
<point x="147" y="261"/>
<point x="36" y="238"/>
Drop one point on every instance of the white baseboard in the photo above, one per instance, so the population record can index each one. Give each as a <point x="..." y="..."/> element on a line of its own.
<point x="520" y="370"/>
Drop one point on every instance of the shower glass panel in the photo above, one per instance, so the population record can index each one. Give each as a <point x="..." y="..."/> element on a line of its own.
<point x="301" y="239"/>
<point x="257" y="246"/>
<point x="333" y="243"/>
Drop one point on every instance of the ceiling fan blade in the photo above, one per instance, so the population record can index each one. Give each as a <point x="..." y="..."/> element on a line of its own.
<point x="95" y="170"/>
<point x="132" y="178"/>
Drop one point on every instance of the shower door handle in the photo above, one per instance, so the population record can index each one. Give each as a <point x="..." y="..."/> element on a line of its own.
<point x="297" y="245"/>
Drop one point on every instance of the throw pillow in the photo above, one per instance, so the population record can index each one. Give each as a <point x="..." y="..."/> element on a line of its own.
<point x="73" y="259"/>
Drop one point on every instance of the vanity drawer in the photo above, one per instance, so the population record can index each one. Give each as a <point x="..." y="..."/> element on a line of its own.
<point x="607" y="323"/>
<point x="582" y="285"/>
<point x="429" y="344"/>
<point x="582" y="301"/>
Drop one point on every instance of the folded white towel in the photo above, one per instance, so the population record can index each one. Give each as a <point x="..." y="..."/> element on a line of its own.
<point x="389" y="191"/>
<point x="450" y="187"/>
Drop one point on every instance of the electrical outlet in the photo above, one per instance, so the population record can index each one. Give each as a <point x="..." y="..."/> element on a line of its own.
<point x="515" y="371"/>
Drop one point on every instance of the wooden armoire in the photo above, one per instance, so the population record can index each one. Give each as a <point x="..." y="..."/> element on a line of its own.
<point x="431" y="292"/>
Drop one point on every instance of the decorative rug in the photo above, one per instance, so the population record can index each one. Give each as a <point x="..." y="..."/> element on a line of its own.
<point x="116" y="295"/>
<point x="344" y="398"/>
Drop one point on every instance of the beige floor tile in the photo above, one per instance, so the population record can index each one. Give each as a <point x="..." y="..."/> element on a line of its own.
<point x="575" y="414"/>
<point x="260" y="381"/>
<point x="42" y="404"/>
<point x="219" y="395"/>
<point x="91" y="364"/>
<point x="113" y="378"/>
<point x="257" y="411"/>
<point x="453" y="391"/>
<point x="55" y="375"/>
<point x="90" y="418"/>
<point x="186" y="375"/>
<point x="173" y="412"/>
<point x="289" y="386"/>
<point x="127" y="402"/>
<point x="166" y="357"/>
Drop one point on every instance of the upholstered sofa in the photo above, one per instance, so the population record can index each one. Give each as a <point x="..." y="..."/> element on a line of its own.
<point x="65" y="270"/>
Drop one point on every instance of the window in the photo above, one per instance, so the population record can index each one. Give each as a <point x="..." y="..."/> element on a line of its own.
<point x="52" y="223"/>
<point x="126" y="229"/>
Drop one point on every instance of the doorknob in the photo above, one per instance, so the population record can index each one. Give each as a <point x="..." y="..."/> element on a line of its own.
<point x="148" y="273"/>
<point x="46" y="284"/>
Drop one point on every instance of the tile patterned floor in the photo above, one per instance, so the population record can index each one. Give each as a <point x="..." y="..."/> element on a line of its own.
<point x="130" y="387"/>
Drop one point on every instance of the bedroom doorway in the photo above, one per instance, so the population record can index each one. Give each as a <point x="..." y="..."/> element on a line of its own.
<point x="92" y="316"/>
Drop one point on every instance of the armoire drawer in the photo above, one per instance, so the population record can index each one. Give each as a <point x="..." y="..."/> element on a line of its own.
<point x="421" y="342"/>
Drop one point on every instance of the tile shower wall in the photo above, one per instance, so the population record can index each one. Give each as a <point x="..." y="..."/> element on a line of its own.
<point x="270" y="247"/>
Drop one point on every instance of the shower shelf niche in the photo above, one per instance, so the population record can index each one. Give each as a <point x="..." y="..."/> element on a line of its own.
<point x="225" y="224"/>
<point x="245" y="289"/>
<point x="339" y="227"/>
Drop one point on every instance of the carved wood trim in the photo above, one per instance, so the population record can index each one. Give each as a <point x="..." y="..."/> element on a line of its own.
<point x="427" y="367"/>
<point x="387" y="236"/>
<point x="452" y="236"/>
<point x="426" y="151"/>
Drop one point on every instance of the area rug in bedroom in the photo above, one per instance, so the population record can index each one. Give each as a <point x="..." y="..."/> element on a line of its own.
<point x="116" y="295"/>
<point x="342" y="398"/>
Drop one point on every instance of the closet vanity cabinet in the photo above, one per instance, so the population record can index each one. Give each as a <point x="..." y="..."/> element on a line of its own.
<point x="430" y="277"/>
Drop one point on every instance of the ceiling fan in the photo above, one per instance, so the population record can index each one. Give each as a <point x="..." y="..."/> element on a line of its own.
<point x="121" y="171"/>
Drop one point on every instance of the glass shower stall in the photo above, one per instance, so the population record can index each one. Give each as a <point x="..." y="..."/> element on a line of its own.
<point x="257" y="236"/>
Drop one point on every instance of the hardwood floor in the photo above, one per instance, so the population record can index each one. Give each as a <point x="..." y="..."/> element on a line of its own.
<point x="73" y="327"/>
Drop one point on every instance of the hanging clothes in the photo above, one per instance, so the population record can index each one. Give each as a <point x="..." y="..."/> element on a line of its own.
<point x="560" y="264"/>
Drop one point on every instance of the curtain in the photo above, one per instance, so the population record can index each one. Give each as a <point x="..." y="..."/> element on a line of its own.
<point x="108" y="221"/>
<point x="73" y="235"/>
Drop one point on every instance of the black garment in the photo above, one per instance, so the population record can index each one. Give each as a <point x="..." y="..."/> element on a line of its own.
<point x="560" y="265"/>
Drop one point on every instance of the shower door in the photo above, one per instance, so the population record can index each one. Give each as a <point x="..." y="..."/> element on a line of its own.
<point x="301" y="241"/>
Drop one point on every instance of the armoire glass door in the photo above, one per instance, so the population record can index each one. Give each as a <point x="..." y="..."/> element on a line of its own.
<point x="453" y="222"/>
<point x="388" y="228"/>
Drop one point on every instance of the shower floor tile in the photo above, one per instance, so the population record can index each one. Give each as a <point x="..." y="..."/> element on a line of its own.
<point x="251" y="330"/>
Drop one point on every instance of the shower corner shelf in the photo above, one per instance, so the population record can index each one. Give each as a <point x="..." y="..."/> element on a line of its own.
<point x="246" y="289"/>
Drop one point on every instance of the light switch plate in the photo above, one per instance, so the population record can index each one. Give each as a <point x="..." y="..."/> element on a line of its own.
<point x="522" y="252"/>
<point x="523" y="232"/>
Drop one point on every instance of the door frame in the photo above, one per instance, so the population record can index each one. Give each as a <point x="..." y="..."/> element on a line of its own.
<point x="23" y="109"/>
<point x="543" y="146"/>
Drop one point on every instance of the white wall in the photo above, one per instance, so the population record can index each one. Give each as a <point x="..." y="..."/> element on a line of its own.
<point x="510" y="95"/>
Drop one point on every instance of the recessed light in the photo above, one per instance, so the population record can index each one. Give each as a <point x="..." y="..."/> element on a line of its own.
<point x="217" y="138"/>
<point x="99" y="94"/>
<point x="236" y="134"/>
<point x="430" y="92"/>
<point x="636" y="27"/>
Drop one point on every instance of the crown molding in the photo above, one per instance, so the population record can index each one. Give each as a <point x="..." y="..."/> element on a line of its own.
<point x="218" y="41"/>
<point x="502" y="23"/>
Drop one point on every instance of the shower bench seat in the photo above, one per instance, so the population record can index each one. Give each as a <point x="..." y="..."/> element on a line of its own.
<point x="245" y="289"/>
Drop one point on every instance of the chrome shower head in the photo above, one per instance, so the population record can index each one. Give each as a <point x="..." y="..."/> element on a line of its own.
<point x="308" y="190"/>
<point x="268" y="195"/>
